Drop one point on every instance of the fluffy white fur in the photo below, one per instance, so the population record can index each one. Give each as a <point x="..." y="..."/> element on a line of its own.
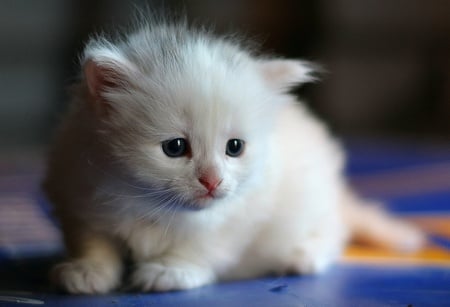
<point x="281" y="207"/>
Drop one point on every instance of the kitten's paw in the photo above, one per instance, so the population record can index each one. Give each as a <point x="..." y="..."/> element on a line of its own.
<point x="160" y="277"/>
<point x="307" y="263"/>
<point x="314" y="258"/>
<point x="84" y="276"/>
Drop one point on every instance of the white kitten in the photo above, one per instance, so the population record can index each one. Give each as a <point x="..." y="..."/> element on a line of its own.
<point x="185" y="152"/>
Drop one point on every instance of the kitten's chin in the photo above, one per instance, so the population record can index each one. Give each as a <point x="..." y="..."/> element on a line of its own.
<point x="204" y="201"/>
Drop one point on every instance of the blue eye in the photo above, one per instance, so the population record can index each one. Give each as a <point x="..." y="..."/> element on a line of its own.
<point x="175" y="148"/>
<point x="235" y="147"/>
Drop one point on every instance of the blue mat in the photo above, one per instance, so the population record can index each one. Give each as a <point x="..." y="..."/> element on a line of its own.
<point x="413" y="178"/>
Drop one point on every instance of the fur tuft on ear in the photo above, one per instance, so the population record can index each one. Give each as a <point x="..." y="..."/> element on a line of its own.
<point x="283" y="74"/>
<point x="105" y="69"/>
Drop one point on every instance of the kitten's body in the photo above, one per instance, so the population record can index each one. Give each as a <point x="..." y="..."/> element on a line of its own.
<point x="280" y="206"/>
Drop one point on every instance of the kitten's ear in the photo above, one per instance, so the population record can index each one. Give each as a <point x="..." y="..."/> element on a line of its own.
<point x="283" y="74"/>
<point x="105" y="71"/>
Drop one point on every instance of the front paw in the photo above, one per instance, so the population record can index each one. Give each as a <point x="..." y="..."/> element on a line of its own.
<point x="307" y="263"/>
<point x="156" y="276"/>
<point x="85" y="276"/>
<point x="314" y="257"/>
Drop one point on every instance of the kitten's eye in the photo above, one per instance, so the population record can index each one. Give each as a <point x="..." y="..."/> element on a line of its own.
<point x="235" y="147"/>
<point x="175" y="148"/>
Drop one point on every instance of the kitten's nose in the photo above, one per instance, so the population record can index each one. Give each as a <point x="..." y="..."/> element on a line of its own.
<point x="210" y="182"/>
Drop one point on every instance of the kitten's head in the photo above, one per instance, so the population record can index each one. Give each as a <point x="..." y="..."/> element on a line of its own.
<point x="187" y="115"/>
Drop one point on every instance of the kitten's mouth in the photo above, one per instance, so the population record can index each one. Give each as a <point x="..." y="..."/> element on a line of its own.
<point x="204" y="200"/>
<point x="208" y="195"/>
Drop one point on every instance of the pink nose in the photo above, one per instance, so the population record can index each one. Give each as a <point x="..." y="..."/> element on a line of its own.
<point x="210" y="183"/>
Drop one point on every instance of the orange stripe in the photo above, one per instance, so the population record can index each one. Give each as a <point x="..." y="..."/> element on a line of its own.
<point x="437" y="225"/>
<point x="430" y="255"/>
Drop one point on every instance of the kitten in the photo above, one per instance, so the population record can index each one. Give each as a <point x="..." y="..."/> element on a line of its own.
<point x="184" y="152"/>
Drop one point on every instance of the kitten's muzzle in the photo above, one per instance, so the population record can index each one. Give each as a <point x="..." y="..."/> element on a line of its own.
<point x="210" y="183"/>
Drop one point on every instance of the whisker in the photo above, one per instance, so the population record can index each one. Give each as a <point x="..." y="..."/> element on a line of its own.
<point x="161" y="207"/>
<point x="171" y="208"/>
<point x="117" y="178"/>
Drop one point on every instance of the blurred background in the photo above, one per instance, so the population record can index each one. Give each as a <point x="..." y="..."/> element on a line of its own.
<point x="388" y="61"/>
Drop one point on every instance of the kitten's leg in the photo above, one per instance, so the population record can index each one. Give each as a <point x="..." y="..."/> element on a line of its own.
<point x="171" y="273"/>
<point x="369" y="223"/>
<point x="322" y="247"/>
<point x="96" y="265"/>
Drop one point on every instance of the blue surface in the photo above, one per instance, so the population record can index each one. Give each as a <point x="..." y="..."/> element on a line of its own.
<point x="368" y="156"/>
<point x="438" y="202"/>
<point x="343" y="285"/>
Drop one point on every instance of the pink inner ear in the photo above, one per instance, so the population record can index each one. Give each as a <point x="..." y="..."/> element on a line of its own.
<point x="286" y="73"/>
<point x="277" y="71"/>
<point x="99" y="78"/>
